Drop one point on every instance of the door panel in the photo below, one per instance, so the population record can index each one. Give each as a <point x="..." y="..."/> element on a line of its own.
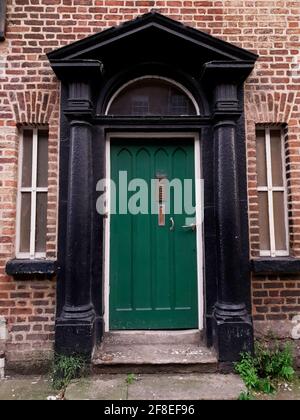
<point x="153" y="272"/>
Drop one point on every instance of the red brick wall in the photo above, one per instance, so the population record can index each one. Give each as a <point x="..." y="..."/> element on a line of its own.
<point x="29" y="93"/>
<point x="276" y="300"/>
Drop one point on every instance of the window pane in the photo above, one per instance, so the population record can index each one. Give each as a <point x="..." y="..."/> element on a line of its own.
<point x="27" y="158"/>
<point x="42" y="169"/>
<point x="140" y="105"/>
<point x="152" y="97"/>
<point x="276" y="155"/>
<point x="279" y="221"/>
<point x="264" y="233"/>
<point x="261" y="158"/>
<point x="25" y="222"/>
<point x="41" y="222"/>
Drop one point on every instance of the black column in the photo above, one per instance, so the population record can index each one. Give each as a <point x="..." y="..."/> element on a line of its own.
<point x="75" y="324"/>
<point x="76" y="316"/>
<point x="231" y="323"/>
<point x="232" y="330"/>
<point x="78" y="230"/>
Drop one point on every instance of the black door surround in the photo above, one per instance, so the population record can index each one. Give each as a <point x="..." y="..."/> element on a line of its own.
<point x="214" y="71"/>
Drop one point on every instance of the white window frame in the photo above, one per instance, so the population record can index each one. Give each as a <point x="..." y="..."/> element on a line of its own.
<point x="273" y="252"/>
<point x="33" y="190"/>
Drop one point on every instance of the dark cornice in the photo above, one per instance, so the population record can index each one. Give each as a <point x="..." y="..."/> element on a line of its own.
<point x="158" y="22"/>
<point x="231" y="71"/>
<point x="77" y="69"/>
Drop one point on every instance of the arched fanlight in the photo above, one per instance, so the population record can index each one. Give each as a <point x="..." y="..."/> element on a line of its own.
<point x="152" y="95"/>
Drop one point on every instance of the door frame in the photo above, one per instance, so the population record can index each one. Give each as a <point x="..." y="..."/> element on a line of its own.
<point x="199" y="216"/>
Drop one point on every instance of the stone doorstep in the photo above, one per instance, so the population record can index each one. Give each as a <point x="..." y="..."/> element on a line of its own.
<point x="153" y="337"/>
<point x="148" y="358"/>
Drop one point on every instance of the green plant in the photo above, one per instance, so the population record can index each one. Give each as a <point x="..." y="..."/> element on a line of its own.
<point x="246" y="396"/>
<point x="130" y="378"/>
<point x="247" y="370"/>
<point x="66" y="368"/>
<point x="262" y="371"/>
<point x="275" y="363"/>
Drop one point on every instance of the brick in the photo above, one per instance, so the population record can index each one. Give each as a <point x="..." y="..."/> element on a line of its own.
<point x="276" y="317"/>
<point x="290" y="293"/>
<point x="20" y="328"/>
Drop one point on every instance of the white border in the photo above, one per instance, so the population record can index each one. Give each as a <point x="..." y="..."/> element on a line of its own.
<point x="199" y="220"/>
<point x="33" y="190"/>
<point x="172" y="82"/>
<point x="269" y="188"/>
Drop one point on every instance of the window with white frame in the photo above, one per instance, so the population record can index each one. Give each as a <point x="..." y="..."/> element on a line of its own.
<point x="272" y="192"/>
<point x="32" y="193"/>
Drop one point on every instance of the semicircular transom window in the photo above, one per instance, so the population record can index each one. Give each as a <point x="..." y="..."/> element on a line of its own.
<point x="152" y="96"/>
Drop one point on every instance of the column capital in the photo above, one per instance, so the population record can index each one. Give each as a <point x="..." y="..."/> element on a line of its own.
<point x="79" y="77"/>
<point x="224" y="78"/>
<point x="227" y="72"/>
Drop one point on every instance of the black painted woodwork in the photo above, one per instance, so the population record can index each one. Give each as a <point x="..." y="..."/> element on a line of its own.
<point x="275" y="265"/>
<point x="91" y="70"/>
<point x="2" y="19"/>
<point x="23" y="269"/>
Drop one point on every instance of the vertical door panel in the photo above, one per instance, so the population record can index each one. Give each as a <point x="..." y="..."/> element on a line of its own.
<point x="142" y="258"/>
<point x="122" y="228"/>
<point x="162" y="283"/>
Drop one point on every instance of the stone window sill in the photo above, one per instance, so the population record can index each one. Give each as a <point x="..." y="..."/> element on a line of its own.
<point x="28" y="269"/>
<point x="277" y="265"/>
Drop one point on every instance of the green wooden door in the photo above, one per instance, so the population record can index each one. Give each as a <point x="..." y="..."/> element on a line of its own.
<point x="153" y="271"/>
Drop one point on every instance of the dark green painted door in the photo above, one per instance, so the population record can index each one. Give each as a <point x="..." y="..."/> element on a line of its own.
<point x="153" y="274"/>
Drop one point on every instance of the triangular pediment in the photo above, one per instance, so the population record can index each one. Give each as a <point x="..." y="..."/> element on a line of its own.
<point x="154" y="34"/>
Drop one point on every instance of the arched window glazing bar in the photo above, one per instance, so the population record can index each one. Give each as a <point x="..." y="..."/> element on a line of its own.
<point x="152" y="96"/>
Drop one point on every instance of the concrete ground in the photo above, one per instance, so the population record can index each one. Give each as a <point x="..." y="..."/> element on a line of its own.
<point x="26" y="388"/>
<point x="138" y="387"/>
<point x="127" y="387"/>
<point x="156" y="387"/>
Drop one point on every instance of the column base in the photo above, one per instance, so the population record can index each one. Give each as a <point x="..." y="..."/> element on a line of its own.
<point x="75" y="336"/>
<point x="232" y="331"/>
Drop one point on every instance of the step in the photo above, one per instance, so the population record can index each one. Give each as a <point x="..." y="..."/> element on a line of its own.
<point x="154" y="358"/>
<point x="153" y="337"/>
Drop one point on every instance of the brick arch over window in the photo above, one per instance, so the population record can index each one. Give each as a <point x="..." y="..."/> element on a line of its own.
<point x="89" y="70"/>
<point x="34" y="107"/>
<point x="262" y="107"/>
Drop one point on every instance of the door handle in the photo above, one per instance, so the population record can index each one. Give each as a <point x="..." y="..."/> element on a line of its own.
<point x="191" y="226"/>
<point x="172" y="223"/>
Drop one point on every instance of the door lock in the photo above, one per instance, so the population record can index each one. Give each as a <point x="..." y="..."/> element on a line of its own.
<point x="191" y="226"/>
